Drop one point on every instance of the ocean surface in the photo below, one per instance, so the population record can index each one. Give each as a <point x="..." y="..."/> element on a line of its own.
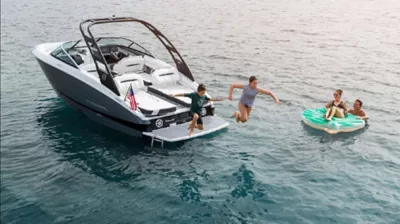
<point x="57" y="166"/>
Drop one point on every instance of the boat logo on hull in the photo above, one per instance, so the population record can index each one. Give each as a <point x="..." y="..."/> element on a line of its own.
<point x="159" y="123"/>
<point x="170" y="120"/>
<point x="96" y="105"/>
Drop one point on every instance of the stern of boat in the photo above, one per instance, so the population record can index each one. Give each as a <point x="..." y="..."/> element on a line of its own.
<point x="179" y="132"/>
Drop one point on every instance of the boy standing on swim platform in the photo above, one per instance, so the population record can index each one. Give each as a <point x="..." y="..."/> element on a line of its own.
<point x="198" y="99"/>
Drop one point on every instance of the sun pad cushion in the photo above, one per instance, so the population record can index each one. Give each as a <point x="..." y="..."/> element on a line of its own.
<point x="148" y="104"/>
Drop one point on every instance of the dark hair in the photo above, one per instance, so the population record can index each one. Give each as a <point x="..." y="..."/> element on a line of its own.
<point x="252" y="78"/>
<point x="201" y="87"/>
<point x="360" y="102"/>
<point x="339" y="91"/>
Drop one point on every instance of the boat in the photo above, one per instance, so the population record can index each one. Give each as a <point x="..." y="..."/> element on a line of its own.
<point x="95" y="74"/>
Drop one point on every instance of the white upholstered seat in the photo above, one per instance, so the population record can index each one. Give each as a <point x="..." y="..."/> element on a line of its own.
<point x="147" y="103"/>
<point x="124" y="81"/>
<point x="129" y="64"/>
<point x="165" y="76"/>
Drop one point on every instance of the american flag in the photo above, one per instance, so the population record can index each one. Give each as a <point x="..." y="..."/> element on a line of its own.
<point x="131" y="97"/>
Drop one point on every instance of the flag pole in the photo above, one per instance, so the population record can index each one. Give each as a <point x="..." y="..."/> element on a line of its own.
<point x="130" y="86"/>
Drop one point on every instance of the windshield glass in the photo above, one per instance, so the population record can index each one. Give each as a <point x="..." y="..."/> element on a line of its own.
<point x="122" y="42"/>
<point x="61" y="53"/>
<point x="114" y="41"/>
<point x="137" y="47"/>
<point x="68" y="45"/>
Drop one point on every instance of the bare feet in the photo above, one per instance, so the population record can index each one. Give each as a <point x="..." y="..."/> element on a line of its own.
<point x="196" y="126"/>
<point x="190" y="132"/>
<point x="234" y="114"/>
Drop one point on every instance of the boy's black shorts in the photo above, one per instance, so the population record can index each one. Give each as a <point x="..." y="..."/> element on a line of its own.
<point x="199" y="121"/>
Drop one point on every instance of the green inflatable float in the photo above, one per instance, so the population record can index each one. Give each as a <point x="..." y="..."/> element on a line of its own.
<point x="314" y="118"/>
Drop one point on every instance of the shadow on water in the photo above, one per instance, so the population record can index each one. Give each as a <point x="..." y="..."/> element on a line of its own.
<point x="325" y="137"/>
<point x="72" y="128"/>
<point x="246" y="185"/>
<point x="93" y="147"/>
<point x="88" y="145"/>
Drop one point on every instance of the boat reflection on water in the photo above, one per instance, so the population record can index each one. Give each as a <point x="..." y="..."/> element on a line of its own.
<point x="88" y="145"/>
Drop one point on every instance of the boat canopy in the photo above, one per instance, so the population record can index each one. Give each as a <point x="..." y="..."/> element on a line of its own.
<point x="94" y="44"/>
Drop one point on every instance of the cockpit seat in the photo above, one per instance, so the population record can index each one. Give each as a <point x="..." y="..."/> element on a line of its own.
<point x="149" y="104"/>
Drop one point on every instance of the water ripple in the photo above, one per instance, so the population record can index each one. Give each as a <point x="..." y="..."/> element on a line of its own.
<point x="60" y="167"/>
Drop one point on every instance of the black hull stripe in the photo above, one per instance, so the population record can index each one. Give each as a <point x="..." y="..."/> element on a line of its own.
<point x="139" y="127"/>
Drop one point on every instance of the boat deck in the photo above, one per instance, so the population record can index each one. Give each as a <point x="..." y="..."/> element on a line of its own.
<point x="180" y="132"/>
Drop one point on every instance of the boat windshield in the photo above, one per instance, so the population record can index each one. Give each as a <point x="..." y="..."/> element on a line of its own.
<point x="114" y="41"/>
<point x="64" y="47"/>
<point x="121" y="41"/>
<point x="61" y="53"/>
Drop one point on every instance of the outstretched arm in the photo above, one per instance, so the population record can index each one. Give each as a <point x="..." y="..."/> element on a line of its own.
<point x="216" y="99"/>
<point x="264" y="91"/>
<point x="178" y="94"/>
<point x="363" y="116"/>
<point x="238" y="86"/>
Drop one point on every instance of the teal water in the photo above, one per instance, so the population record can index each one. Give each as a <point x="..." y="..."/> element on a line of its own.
<point x="57" y="166"/>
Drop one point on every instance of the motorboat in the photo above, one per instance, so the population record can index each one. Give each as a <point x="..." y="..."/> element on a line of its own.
<point x="101" y="76"/>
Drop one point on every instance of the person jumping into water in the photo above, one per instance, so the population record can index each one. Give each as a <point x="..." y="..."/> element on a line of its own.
<point x="198" y="99"/>
<point x="336" y="107"/>
<point x="246" y="101"/>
